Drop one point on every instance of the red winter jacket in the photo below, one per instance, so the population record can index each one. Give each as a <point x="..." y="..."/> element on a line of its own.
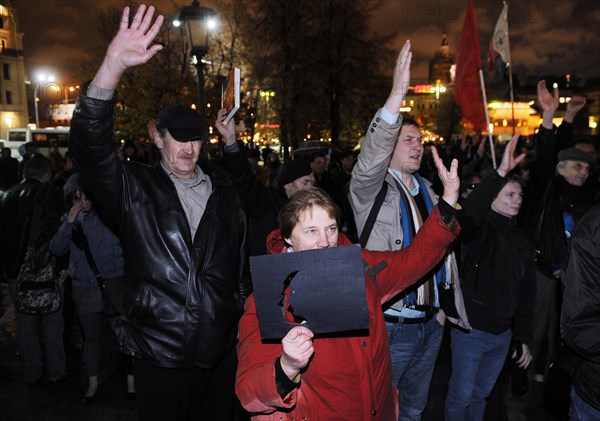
<point x="348" y="378"/>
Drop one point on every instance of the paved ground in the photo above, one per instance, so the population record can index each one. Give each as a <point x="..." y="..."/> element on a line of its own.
<point x="61" y="402"/>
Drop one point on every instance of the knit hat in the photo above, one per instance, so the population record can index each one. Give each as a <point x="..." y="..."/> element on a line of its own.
<point x="293" y="170"/>
<point x="183" y="123"/>
<point x="575" y="154"/>
<point x="73" y="184"/>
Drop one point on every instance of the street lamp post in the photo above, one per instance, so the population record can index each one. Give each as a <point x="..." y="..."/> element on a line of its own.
<point x="199" y="21"/>
<point x="40" y="78"/>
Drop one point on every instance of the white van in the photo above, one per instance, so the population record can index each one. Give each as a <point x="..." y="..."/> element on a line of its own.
<point x="44" y="139"/>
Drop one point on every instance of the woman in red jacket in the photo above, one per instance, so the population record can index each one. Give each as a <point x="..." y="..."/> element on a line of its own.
<point x="345" y="378"/>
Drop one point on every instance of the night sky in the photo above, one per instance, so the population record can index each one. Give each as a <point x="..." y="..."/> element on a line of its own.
<point x="547" y="36"/>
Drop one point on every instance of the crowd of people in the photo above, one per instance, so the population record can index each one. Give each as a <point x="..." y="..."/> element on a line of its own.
<point x="449" y="242"/>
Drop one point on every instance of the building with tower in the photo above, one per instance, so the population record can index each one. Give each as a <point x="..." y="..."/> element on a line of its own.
<point x="440" y="67"/>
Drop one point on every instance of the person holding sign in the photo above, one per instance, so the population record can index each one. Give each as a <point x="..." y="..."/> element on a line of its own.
<point x="344" y="375"/>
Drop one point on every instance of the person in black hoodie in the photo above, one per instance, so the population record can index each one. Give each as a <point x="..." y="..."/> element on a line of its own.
<point x="498" y="283"/>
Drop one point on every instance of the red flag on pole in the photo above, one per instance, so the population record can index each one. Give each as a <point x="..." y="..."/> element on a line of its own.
<point x="468" y="64"/>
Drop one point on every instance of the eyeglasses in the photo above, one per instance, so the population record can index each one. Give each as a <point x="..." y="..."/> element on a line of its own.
<point x="472" y="186"/>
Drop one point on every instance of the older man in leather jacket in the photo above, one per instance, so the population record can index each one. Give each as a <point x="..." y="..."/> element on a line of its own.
<point x="182" y="228"/>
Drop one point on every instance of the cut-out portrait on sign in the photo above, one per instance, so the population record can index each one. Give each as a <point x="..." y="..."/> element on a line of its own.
<point x="325" y="289"/>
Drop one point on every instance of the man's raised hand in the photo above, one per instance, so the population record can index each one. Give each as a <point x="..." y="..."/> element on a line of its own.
<point x="573" y="107"/>
<point x="401" y="80"/>
<point x="548" y="101"/>
<point x="130" y="47"/>
<point x="226" y="130"/>
<point x="449" y="178"/>
<point x="509" y="161"/>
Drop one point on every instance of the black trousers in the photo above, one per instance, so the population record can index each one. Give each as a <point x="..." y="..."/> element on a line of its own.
<point x="165" y="394"/>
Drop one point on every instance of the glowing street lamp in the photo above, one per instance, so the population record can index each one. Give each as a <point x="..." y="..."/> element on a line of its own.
<point x="199" y="21"/>
<point x="41" y="77"/>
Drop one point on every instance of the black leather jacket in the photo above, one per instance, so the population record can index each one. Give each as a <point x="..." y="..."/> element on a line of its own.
<point x="16" y="210"/>
<point x="184" y="296"/>
<point x="581" y="303"/>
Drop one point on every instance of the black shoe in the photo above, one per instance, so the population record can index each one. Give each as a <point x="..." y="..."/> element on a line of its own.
<point x="131" y="396"/>
<point x="88" y="400"/>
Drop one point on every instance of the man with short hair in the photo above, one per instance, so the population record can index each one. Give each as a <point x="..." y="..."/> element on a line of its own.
<point x="182" y="228"/>
<point x="17" y="208"/>
<point x="574" y="165"/>
<point x="347" y="160"/>
<point x="391" y="155"/>
<point x="323" y="178"/>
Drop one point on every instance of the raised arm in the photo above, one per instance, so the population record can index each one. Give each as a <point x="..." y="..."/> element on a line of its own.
<point x="564" y="133"/>
<point x="378" y="145"/>
<point x="247" y="185"/>
<point x="509" y="160"/>
<point x="548" y="102"/>
<point x="401" y="80"/>
<point x="546" y="147"/>
<point x="92" y="132"/>
<point x="130" y="47"/>
<point x="575" y="105"/>
<point x="449" y="177"/>
<point x="408" y="265"/>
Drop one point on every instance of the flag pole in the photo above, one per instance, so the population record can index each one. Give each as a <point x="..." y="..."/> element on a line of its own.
<point x="510" y="78"/>
<point x="487" y="117"/>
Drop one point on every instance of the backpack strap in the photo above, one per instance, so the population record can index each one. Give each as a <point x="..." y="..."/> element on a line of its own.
<point x="366" y="232"/>
<point x="372" y="272"/>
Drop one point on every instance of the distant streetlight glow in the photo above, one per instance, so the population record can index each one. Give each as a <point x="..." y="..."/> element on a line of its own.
<point x="41" y="77"/>
<point x="198" y="21"/>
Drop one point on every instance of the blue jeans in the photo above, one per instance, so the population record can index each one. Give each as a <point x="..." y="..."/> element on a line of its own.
<point x="414" y="349"/>
<point x="477" y="360"/>
<point x="581" y="410"/>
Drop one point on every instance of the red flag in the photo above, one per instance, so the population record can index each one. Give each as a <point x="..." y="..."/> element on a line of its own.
<point x="468" y="64"/>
